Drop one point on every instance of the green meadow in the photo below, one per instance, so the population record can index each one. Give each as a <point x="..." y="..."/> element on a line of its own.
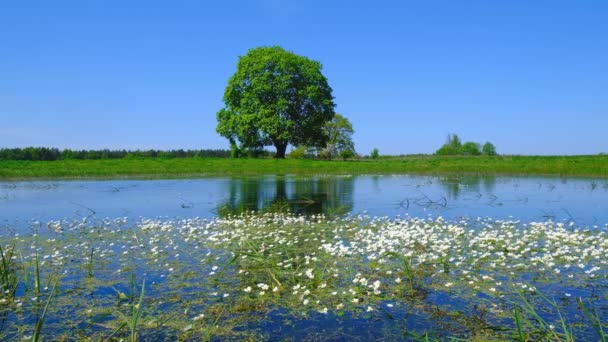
<point x="593" y="165"/>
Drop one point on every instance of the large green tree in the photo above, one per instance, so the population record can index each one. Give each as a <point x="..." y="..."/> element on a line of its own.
<point x="277" y="98"/>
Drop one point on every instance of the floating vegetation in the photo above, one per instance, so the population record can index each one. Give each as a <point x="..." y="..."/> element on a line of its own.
<point x="272" y="276"/>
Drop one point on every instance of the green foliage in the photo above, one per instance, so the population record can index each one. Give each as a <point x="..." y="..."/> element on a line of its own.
<point x="49" y="154"/>
<point x="453" y="141"/>
<point x="347" y="154"/>
<point x="8" y="273"/>
<point x="453" y="146"/>
<point x="339" y="131"/>
<point x="301" y="152"/>
<point x="375" y="154"/>
<point x="488" y="149"/>
<point x="447" y="150"/>
<point x="42" y="317"/>
<point x="276" y="98"/>
<point x="470" y="149"/>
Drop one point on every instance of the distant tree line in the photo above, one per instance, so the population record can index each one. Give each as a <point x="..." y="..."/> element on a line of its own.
<point x="44" y="153"/>
<point x="453" y="146"/>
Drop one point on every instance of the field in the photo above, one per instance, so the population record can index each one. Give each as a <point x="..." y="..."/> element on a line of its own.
<point x="596" y="166"/>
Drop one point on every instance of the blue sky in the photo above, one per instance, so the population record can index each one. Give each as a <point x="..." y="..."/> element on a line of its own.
<point x="529" y="76"/>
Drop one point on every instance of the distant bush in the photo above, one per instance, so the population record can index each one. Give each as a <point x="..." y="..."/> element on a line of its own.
<point x="453" y="146"/>
<point x="470" y="149"/>
<point x="347" y="154"/>
<point x="302" y="152"/>
<point x="47" y="154"/>
<point x="375" y="154"/>
<point x="488" y="149"/>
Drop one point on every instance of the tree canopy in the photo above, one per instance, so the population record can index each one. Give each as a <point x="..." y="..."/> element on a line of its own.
<point x="277" y="98"/>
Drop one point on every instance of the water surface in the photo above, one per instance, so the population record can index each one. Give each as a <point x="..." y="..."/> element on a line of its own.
<point x="580" y="200"/>
<point x="368" y="279"/>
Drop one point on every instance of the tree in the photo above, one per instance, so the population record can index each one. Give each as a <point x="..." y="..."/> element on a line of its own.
<point x="276" y="98"/>
<point x="375" y="154"/>
<point x="488" y="149"/>
<point x="339" y="143"/>
<point x="452" y="146"/>
<point x="470" y="149"/>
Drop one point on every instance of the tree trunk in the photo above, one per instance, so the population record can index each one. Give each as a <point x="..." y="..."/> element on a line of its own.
<point x="281" y="148"/>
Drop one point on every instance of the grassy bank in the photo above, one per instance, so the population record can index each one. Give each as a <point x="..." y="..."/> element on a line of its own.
<point x="596" y="165"/>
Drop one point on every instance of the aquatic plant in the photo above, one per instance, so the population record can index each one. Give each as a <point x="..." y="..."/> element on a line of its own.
<point x="223" y="278"/>
<point x="40" y="321"/>
<point x="8" y="273"/>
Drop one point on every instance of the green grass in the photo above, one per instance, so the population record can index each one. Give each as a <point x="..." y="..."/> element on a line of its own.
<point x="596" y="165"/>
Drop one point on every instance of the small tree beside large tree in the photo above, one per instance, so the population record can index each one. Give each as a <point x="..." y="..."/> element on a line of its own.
<point x="339" y="143"/>
<point x="276" y="98"/>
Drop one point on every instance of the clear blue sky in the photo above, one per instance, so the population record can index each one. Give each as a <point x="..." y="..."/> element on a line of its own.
<point x="529" y="76"/>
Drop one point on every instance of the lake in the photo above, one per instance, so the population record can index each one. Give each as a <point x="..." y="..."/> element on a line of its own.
<point x="331" y="258"/>
<point x="584" y="201"/>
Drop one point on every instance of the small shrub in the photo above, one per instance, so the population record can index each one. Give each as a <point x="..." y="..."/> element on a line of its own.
<point x="297" y="153"/>
<point x="346" y="154"/>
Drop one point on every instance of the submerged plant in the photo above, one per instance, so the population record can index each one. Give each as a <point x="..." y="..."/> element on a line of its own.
<point x="8" y="273"/>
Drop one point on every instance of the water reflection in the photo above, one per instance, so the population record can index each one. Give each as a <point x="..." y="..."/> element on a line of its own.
<point x="579" y="200"/>
<point x="455" y="185"/>
<point x="328" y="195"/>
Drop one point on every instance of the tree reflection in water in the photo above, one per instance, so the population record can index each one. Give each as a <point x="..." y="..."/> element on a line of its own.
<point x="306" y="196"/>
